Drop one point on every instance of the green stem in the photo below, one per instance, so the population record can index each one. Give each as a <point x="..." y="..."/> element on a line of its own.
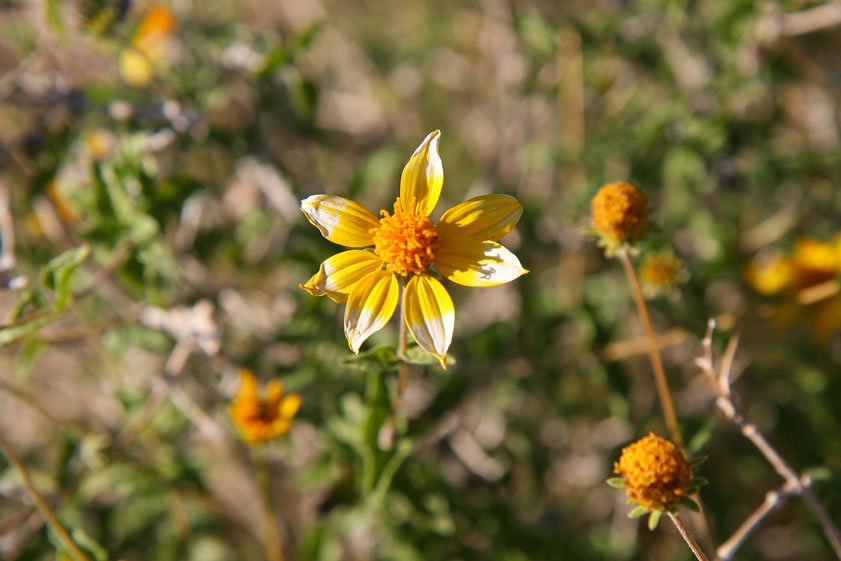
<point x="271" y="537"/>
<point x="46" y="512"/>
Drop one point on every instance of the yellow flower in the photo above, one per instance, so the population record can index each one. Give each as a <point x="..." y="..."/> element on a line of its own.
<point x="769" y="273"/>
<point x="150" y="46"/>
<point x="462" y="246"/>
<point x="660" y="271"/>
<point x="814" y="262"/>
<point x="619" y="212"/>
<point x="656" y="475"/>
<point x="259" y="419"/>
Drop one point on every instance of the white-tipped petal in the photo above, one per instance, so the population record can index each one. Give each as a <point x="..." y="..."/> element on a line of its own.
<point x="473" y="262"/>
<point x="370" y="305"/>
<point x="341" y="220"/>
<point x="430" y="316"/>
<point x="339" y="274"/>
<point x="423" y="177"/>
<point x="487" y="217"/>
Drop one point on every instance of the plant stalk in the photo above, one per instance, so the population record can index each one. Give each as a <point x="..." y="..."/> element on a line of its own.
<point x="687" y="537"/>
<point x="43" y="508"/>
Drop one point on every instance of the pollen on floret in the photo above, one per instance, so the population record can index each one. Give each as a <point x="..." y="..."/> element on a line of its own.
<point x="405" y="241"/>
<point x="619" y="212"/>
<point x="656" y="474"/>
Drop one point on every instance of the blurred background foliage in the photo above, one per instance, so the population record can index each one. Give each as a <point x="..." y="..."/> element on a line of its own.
<point x="152" y="158"/>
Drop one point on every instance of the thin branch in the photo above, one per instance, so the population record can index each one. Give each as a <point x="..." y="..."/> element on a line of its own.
<point x="794" y="483"/>
<point x="46" y="512"/>
<point x="773" y="499"/>
<point x="687" y="537"/>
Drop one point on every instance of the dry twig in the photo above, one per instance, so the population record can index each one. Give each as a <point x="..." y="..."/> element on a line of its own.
<point x="794" y="484"/>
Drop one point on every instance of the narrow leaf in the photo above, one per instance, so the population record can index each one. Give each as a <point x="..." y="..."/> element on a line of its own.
<point x="616" y="482"/>
<point x="637" y="512"/>
<point x="654" y="519"/>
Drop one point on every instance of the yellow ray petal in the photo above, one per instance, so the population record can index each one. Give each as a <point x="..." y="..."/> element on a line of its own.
<point x="474" y="262"/>
<point x="339" y="274"/>
<point x="340" y="220"/>
<point x="488" y="217"/>
<point x="273" y="392"/>
<point x="370" y="306"/>
<point x="423" y="176"/>
<point x="247" y="386"/>
<point x="290" y="405"/>
<point x="429" y="314"/>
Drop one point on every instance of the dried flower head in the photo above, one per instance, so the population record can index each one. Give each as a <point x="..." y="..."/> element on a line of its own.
<point x="655" y="474"/>
<point x="619" y="213"/>
<point x="262" y="418"/>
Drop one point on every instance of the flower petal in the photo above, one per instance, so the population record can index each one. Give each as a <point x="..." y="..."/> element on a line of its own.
<point x="370" y="306"/>
<point x="429" y="314"/>
<point x="423" y="176"/>
<point x="341" y="220"/>
<point x="289" y="406"/>
<point x="474" y="262"/>
<point x="488" y="217"/>
<point x="339" y="274"/>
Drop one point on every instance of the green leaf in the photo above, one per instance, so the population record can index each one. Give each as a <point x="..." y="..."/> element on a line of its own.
<point x="654" y="519"/>
<point x="690" y="504"/>
<point x="14" y="333"/>
<point x="381" y="359"/>
<point x="616" y="482"/>
<point x="55" y="18"/>
<point x="637" y="512"/>
<point x="89" y="544"/>
<point x="416" y="355"/>
<point x="58" y="274"/>
<point x="698" y="460"/>
<point x="27" y="356"/>
<point x="698" y="482"/>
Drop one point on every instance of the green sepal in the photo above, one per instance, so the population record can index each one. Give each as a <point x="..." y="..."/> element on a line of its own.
<point x="637" y="512"/>
<point x="381" y="359"/>
<point x="654" y="519"/>
<point x="690" y="504"/>
<point x="698" y="460"/>
<point x="616" y="482"/>
<point x="698" y="482"/>
<point x="416" y="355"/>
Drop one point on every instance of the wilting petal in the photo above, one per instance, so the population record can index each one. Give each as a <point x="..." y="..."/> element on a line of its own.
<point x="474" y="262"/>
<point x="429" y="314"/>
<point x="339" y="274"/>
<point x="423" y="176"/>
<point x="341" y="220"/>
<point x="370" y="306"/>
<point x="488" y="217"/>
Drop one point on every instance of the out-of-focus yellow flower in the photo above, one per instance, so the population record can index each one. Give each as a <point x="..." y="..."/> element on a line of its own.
<point x="150" y="47"/>
<point x="619" y="213"/>
<point x="463" y="247"/>
<point x="769" y="273"/>
<point x="814" y="262"/>
<point x="656" y="475"/>
<point x="660" y="271"/>
<point x="259" y="419"/>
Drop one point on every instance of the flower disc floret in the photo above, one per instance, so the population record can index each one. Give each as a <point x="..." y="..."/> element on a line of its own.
<point x="656" y="474"/>
<point x="405" y="241"/>
<point x="619" y="212"/>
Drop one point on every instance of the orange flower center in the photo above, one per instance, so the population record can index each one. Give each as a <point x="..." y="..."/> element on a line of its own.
<point x="406" y="242"/>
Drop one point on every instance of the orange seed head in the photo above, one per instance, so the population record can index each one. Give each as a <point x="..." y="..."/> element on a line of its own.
<point x="656" y="473"/>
